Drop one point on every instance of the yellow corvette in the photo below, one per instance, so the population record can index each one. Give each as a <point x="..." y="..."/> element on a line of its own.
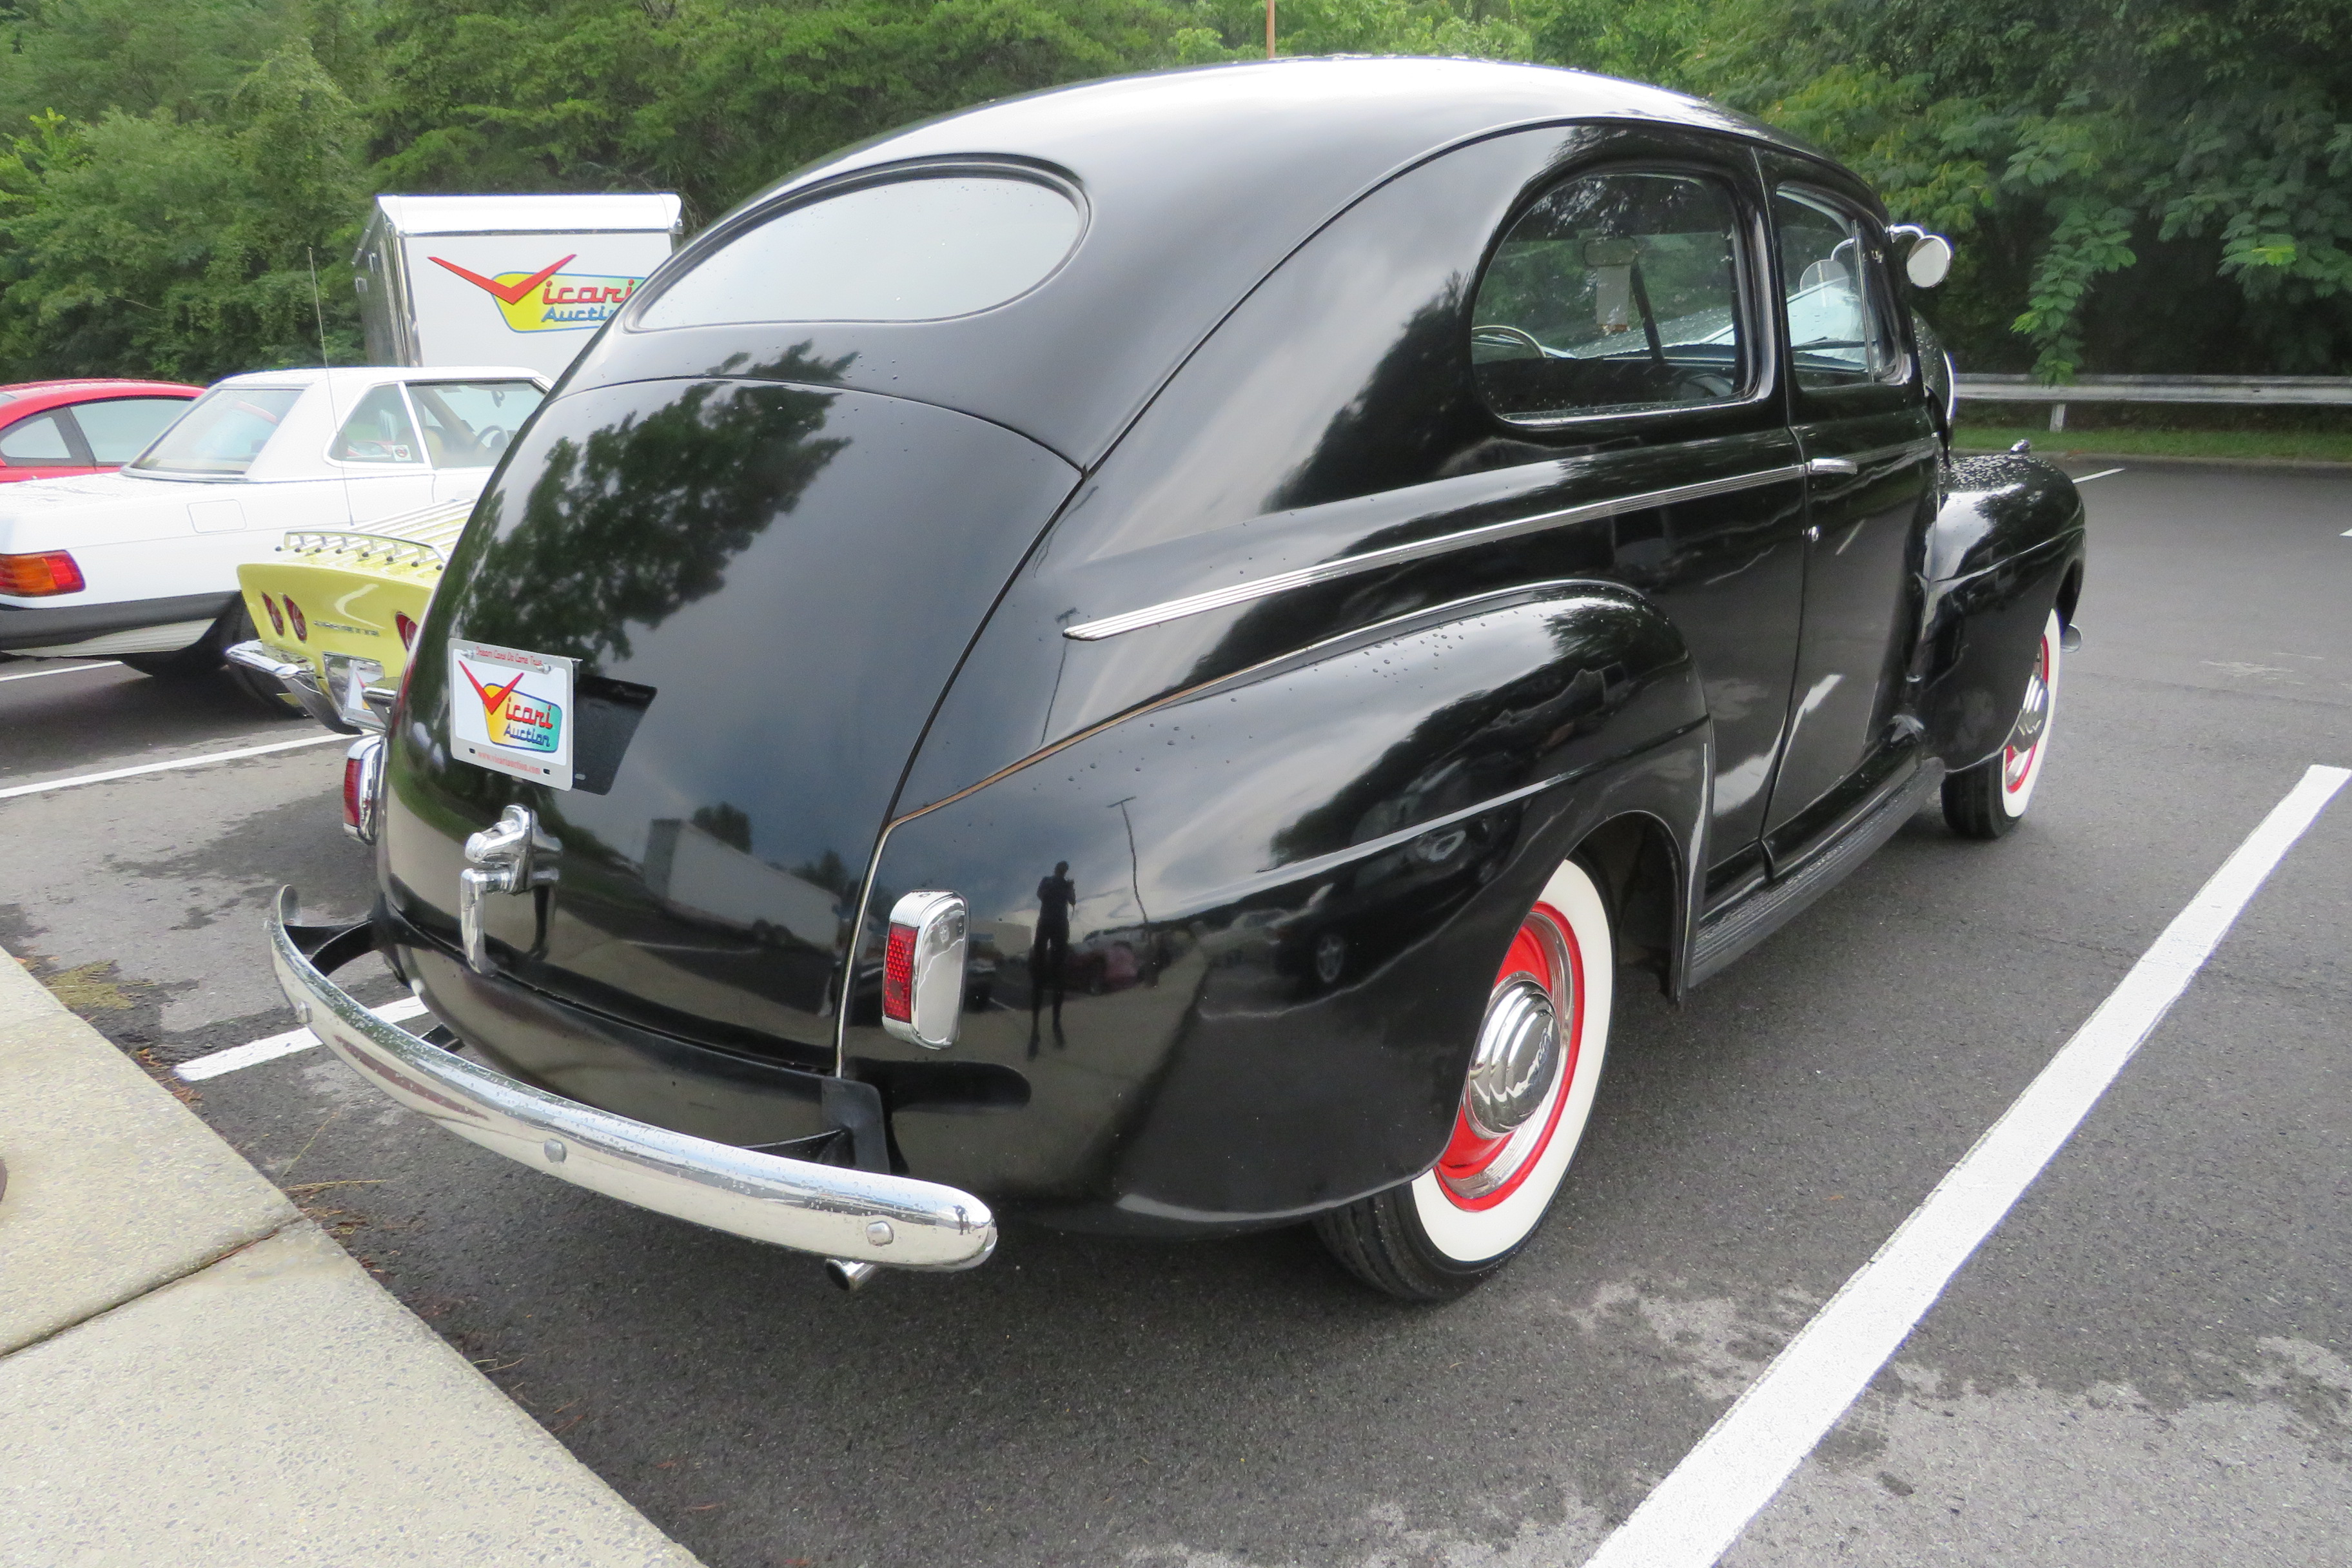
<point x="338" y="611"/>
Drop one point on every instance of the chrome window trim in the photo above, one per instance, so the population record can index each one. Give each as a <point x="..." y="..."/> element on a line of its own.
<point x="1420" y="549"/>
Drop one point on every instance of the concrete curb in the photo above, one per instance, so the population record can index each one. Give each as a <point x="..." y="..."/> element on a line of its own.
<point x="2140" y="460"/>
<point x="192" y="1372"/>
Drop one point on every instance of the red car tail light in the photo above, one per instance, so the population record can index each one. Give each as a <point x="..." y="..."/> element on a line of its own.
<point x="923" y="969"/>
<point x="37" y="576"/>
<point x="277" y="621"/>
<point x="362" y="779"/>
<point x="294" y="614"/>
<point x="405" y="628"/>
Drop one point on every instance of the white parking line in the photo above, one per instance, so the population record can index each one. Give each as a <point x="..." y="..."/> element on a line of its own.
<point x="1698" y="1510"/>
<point x="276" y="1046"/>
<point x="69" y="669"/>
<point x="2103" y="473"/>
<point x="174" y="763"/>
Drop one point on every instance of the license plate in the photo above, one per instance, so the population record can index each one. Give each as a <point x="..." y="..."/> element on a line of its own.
<point x="511" y="712"/>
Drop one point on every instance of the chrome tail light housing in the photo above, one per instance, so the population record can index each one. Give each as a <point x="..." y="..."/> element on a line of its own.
<point x="923" y="969"/>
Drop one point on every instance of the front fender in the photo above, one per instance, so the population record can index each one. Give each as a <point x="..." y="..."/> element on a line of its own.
<point x="1293" y="886"/>
<point x="2008" y="538"/>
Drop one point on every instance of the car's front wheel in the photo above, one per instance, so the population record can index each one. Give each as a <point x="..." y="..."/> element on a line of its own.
<point x="1520" y="1118"/>
<point x="1988" y="799"/>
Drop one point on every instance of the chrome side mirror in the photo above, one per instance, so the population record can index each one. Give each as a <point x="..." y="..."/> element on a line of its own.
<point x="1926" y="257"/>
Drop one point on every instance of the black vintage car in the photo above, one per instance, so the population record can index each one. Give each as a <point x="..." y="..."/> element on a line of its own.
<point x="1147" y="657"/>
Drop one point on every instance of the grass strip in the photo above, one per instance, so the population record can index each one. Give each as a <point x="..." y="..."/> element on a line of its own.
<point x="2287" y="445"/>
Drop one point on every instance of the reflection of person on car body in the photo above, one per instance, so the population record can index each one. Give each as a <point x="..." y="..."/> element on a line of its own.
<point x="1049" y="955"/>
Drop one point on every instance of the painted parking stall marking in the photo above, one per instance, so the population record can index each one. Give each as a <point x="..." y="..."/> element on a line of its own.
<point x="2102" y="474"/>
<point x="276" y="1046"/>
<point x="169" y="764"/>
<point x="1692" y="1516"/>
<point x="69" y="669"/>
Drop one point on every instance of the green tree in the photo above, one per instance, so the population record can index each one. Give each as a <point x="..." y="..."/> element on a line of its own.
<point x="140" y="244"/>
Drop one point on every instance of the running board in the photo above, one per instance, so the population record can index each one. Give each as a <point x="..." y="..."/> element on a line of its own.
<point x="1729" y="932"/>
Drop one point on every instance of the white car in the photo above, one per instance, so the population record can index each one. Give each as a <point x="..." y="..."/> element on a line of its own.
<point x="142" y="564"/>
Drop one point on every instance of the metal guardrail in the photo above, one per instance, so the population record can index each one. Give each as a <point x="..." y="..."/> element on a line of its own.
<point x="2266" y="389"/>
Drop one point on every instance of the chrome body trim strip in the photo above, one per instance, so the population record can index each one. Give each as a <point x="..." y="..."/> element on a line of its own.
<point x="1420" y="549"/>
<point x="832" y="1211"/>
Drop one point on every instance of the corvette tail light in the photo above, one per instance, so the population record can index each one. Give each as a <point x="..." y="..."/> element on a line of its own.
<point x="294" y="614"/>
<point x="405" y="628"/>
<point x="363" y="777"/>
<point x="37" y="576"/>
<point x="277" y="620"/>
<point x="922" y="969"/>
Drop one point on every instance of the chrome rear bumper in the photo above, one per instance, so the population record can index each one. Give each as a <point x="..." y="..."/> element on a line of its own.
<point x="301" y="683"/>
<point x="856" y="1217"/>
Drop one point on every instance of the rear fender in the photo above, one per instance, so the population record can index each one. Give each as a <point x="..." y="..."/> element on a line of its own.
<point x="1293" y="886"/>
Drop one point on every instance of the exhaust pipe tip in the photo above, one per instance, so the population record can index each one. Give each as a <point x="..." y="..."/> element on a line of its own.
<point x="850" y="1276"/>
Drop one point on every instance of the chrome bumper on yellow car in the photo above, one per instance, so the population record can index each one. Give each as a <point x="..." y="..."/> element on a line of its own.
<point x="856" y="1218"/>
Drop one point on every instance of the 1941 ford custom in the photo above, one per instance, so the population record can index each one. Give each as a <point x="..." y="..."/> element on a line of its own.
<point x="1147" y="657"/>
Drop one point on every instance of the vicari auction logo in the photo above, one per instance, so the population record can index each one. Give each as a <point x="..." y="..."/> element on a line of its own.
<point x="513" y="717"/>
<point x="549" y="300"/>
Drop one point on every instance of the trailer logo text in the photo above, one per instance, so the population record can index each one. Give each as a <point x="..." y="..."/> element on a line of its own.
<point x="549" y="300"/>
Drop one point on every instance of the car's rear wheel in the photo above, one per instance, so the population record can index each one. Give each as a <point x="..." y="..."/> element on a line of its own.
<point x="1520" y="1118"/>
<point x="1988" y="799"/>
<point x="206" y="657"/>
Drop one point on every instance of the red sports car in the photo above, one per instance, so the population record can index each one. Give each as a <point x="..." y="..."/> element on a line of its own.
<point x="54" y="429"/>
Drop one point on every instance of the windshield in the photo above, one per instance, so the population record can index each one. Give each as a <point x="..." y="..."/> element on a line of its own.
<point x="222" y="433"/>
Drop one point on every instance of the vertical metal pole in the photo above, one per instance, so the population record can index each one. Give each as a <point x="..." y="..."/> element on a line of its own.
<point x="2057" y="416"/>
<point x="1269" y="29"/>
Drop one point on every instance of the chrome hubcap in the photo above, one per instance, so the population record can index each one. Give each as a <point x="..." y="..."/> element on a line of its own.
<point x="1517" y="1059"/>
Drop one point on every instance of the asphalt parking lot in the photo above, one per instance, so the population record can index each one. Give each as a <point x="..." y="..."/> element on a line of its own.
<point x="2149" y="1360"/>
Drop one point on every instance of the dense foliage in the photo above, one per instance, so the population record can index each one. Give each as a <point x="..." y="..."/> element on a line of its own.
<point x="2136" y="184"/>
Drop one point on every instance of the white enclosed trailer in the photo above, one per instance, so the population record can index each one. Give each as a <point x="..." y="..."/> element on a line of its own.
<point x="522" y="280"/>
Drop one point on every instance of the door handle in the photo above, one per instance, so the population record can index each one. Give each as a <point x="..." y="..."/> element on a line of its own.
<point x="1839" y="467"/>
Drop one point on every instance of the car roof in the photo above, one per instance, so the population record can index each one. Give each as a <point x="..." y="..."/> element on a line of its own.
<point x="36" y="394"/>
<point x="344" y="377"/>
<point x="1198" y="182"/>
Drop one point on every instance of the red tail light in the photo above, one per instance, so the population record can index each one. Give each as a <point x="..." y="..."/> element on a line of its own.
<point x="37" y="576"/>
<point x="897" y="971"/>
<point x="354" y="791"/>
<point x="923" y="969"/>
<point x="363" y="786"/>
<point x="294" y="614"/>
<point x="405" y="628"/>
<point x="277" y="621"/>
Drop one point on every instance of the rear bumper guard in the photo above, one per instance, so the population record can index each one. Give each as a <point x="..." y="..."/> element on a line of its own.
<point x="856" y="1218"/>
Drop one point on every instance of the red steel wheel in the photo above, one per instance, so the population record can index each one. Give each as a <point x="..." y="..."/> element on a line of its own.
<point x="1524" y="1105"/>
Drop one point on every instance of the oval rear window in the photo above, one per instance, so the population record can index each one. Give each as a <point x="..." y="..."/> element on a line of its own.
<point x="911" y="250"/>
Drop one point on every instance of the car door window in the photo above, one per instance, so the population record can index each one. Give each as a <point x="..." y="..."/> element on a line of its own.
<point x="468" y="424"/>
<point x="1613" y="294"/>
<point x="36" y="441"/>
<point x="1836" y="294"/>
<point x="118" y="428"/>
<point x="379" y="431"/>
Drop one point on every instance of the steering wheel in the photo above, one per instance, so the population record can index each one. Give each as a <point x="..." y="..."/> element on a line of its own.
<point x="1509" y="334"/>
<point x="491" y="437"/>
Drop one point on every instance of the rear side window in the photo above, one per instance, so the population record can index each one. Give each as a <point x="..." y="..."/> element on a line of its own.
<point x="911" y="250"/>
<point x="1614" y="293"/>
<point x="222" y="432"/>
<point x="378" y="431"/>
<point x="38" y="441"/>
<point x="118" y="428"/>
<point x="468" y="424"/>
<point x="1840" y="332"/>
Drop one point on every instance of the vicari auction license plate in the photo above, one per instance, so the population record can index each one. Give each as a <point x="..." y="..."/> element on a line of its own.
<point x="511" y="712"/>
